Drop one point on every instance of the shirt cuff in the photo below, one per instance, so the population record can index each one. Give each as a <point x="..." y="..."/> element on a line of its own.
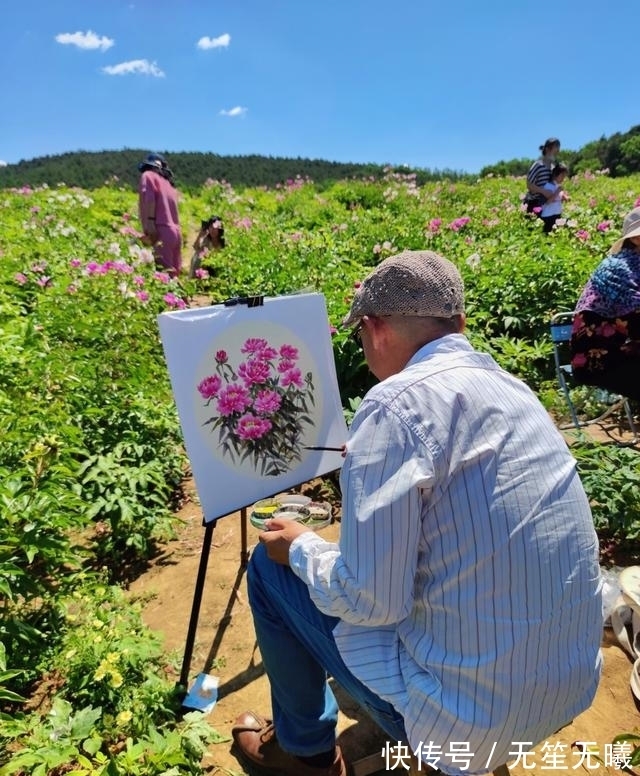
<point x="300" y="549"/>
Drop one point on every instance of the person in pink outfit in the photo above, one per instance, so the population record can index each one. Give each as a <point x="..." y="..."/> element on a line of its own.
<point x="158" y="210"/>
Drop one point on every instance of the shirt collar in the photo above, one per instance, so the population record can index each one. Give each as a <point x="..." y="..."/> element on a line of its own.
<point x="450" y="343"/>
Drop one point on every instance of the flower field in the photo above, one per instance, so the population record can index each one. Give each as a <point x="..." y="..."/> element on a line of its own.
<point x="91" y="462"/>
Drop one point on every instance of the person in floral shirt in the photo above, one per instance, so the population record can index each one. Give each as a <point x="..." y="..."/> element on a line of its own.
<point x="605" y="339"/>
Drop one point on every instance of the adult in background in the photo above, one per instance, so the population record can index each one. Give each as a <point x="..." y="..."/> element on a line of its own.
<point x="605" y="339"/>
<point x="463" y="600"/>
<point x="540" y="173"/>
<point x="158" y="211"/>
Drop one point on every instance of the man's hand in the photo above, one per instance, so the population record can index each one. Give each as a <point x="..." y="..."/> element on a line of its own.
<point x="278" y="537"/>
<point x="150" y="239"/>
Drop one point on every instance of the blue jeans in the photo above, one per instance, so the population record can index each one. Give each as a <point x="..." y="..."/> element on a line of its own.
<point x="299" y="652"/>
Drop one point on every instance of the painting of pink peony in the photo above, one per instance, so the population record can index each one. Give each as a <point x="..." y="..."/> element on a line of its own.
<point x="259" y="407"/>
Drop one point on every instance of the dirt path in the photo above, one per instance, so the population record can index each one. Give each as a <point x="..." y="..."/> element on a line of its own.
<point x="225" y="647"/>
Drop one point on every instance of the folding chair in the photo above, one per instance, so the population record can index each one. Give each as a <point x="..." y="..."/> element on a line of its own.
<point x="560" y="327"/>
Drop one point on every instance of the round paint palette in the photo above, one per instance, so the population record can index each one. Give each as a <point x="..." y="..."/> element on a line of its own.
<point x="292" y="506"/>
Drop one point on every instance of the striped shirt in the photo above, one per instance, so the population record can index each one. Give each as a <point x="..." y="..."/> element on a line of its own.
<point x="466" y="578"/>
<point x="539" y="174"/>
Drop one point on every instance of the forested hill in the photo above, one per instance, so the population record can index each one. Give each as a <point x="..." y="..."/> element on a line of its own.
<point x="91" y="170"/>
<point x="619" y="153"/>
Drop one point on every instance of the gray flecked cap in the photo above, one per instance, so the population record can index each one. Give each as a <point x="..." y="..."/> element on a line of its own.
<point x="420" y="283"/>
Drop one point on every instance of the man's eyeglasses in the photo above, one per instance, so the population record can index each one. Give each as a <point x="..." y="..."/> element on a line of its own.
<point x="356" y="335"/>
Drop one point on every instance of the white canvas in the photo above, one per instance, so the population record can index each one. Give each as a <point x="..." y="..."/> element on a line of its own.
<point x="254" y="386"/>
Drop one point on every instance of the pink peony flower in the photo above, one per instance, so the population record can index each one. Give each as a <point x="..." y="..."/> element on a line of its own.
<point x="293" y="377"/>
<point x="142" y="296"/>
<point x="233" y="398"/>
<point x="458" y="223"/>
<point x="21" y="278"/>
<point x="174" y="301"/>
<point x="251" y="427"/>
<point x="221" y="356"/>
<point x="267" y="402"/>
<point x="254" y="371"/>
<point x="579" y="360"/>
<point x="284" y="365"/>
<point x="289" y="352"/>
<point x="253" y="345"/>
<point x="201" y="274"/>
<point x="267" y="354"/>
<point x="209" y="387"/>
<point x="162" y="277"/>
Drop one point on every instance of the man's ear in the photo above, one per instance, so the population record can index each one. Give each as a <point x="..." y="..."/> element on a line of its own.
<point x="379" y="331"/>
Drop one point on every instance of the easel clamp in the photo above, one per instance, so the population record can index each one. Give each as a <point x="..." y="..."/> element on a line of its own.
<point x="251" y="301"/>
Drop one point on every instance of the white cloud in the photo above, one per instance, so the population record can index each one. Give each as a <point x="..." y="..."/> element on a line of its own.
<point x="3" y="163"/>
<point x="222" y="41"/>
<point x="140" y="66"/>
<point x="237" y="111"/>
<point x="85" y="40"/>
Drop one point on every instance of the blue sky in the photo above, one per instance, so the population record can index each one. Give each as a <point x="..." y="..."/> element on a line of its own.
<point x="453" y="84"/>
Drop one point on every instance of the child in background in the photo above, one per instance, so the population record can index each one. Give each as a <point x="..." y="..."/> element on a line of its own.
<point x="210" y="238"/>
<point x="552" y="209"/>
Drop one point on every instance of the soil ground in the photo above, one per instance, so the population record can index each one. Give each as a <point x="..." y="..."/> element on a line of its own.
<point x="225" y="647"/>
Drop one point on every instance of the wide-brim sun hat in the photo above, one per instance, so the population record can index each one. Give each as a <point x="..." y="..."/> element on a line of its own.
<point x="630" y="228"/>
<point x="411" y="283"/>
<point x="152" y="160"/>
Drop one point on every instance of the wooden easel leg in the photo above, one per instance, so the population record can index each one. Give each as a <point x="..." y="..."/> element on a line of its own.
<point x="195" y="607"/>
<point x="244" y="552"/>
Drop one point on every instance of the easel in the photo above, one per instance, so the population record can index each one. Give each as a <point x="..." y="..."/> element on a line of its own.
<point x="183" y="682"/>
<point x="197" y="595"/>
<point x="187" y="337"/>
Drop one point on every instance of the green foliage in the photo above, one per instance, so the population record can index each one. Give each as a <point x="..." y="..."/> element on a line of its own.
<point x="5" y="675"/>
<point x="627" y="746"/>
<point x="110" y="659"/>
<point x="131" y="495"/>
<point x="67" y="741"/>
<point x="611" y="478"/>
<point x="116" y="712"/>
